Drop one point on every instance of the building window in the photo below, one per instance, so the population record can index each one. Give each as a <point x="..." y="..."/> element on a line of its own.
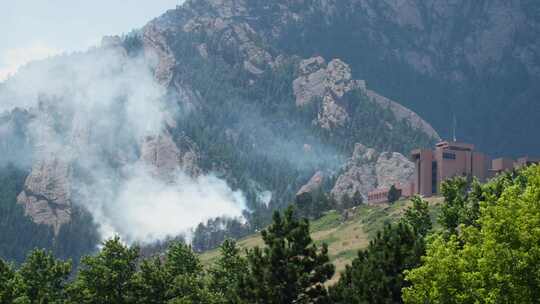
<point x="447" y="155"/>
<point x="434" y="177"/>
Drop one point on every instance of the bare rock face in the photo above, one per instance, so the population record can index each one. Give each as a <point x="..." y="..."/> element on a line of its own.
<point x="367" y="170"/>
<point x="311" y="83"/>
<point x="359" y="174"/>
<point x="393" y="168"/>
<point x="314" y="184"/>
<point x="330" y="82"/>
<point x="156" y="47"/>
<point x="223" y="21"/>
<point x="47" y="193"/>
<point x="47" y="190"/>
<point x="164" y="158"/>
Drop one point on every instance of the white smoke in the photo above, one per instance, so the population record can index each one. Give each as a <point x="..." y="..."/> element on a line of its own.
<point x="151" y="209"/>
<point x="94" y="109"/>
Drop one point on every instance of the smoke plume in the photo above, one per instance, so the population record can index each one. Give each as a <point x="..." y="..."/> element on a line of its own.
<point x="93" y="110"/>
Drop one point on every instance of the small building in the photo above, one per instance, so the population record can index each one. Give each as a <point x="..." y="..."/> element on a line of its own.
<point x="380" y="195"/>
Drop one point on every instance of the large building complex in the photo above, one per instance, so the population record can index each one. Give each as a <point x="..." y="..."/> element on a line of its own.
<point x="447" y="160"/>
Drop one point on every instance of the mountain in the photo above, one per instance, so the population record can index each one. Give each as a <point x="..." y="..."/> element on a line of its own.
<point x="220" y="106"/>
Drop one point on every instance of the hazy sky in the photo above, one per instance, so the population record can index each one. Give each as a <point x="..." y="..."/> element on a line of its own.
<point x="36" y="29"/>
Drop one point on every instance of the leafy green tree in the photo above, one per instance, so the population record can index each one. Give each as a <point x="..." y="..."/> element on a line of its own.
<point x="182" y="260"/>
<point x="188" y="283"/>
<point x="290" y="268"/>
<point x="227" y="272"/>
<point x="496" y="260"/>
<point x="455" y="202"/>
<point x="151" y="283"/>
<point x="6" y="282"/>
<point x="180" y="279"/>
<point x="41" y="279"/>
<point x="394" y="194"/>
<point x="108" y="276"/>
<point x="418" y="216"/>
<point x="376" y="275"/>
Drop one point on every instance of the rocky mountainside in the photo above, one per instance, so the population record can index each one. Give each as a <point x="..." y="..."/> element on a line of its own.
<point x="272" y="98"/>
<point x="478" y="61"/>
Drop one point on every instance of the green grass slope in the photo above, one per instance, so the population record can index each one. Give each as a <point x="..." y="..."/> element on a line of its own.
<point x="344" y="236"/>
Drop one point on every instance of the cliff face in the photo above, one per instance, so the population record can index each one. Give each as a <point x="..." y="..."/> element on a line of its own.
<point x="367" y="170"/>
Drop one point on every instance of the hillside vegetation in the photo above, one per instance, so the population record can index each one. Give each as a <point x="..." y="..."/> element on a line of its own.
<point x="343" y="236"/>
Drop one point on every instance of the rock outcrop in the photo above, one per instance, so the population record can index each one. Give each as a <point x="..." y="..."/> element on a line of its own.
<point x="313" y="185"/>
<point x="367" y="170"/>
<point x="358" y="175"/>
<point x="47" y="193"/>
<point x="393" y="168"/>
<point x="224" y="21"/>
<point x="164" y="158"/>
<point x="328" y="83"/>
<point x="157" y="49"/>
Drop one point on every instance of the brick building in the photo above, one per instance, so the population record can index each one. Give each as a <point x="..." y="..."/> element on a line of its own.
<point x="447" y="160"/>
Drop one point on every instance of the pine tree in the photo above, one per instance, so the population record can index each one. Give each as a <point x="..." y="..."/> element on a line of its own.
<point x="41" y="279"/>
<point x="418" y="216"/>
<point x="151" y="282"/>
<point x="394" y="194"/>
<point x="376" y="275"/>
<point x="108" y="276"/>
<point x="185" y="277"/>
<point x="357" y="198"/>
<point x="290" y="268"/>
<point x="6" y="282"/>
<point x="226" y="274"/>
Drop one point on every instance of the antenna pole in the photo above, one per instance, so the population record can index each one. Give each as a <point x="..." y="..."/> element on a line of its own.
<point x="455" y="126"/>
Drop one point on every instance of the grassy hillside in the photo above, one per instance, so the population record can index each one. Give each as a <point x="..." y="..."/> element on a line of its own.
<point x="344" y="236"/>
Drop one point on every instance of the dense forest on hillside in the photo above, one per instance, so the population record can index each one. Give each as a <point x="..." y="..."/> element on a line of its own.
<point x="484" y="248"/>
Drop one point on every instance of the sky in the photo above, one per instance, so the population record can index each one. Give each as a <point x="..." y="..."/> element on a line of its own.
<point x="36" y="29"/>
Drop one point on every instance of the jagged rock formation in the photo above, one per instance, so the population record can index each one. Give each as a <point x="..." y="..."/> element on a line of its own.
<point x="330" y="82"/>
<point x="314" y="184"/>
<point x="165" y="158"/>
<point x="393" y="168"/>
<point x="367" y="169"/>
<point x="47" y="190"/>
<point x="358" y="174"/>
<point x="47" y="193"/>
<point x="220" y="22"/>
